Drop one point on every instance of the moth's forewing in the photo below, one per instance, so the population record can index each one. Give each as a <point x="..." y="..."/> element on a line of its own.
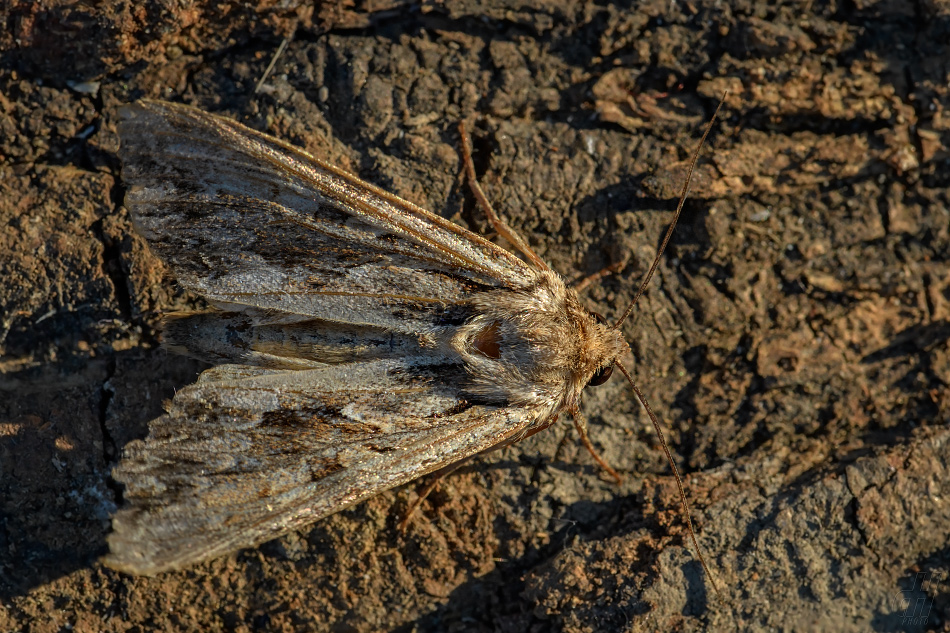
<point x="247" y="453"/>
<point x="246" y="219"/>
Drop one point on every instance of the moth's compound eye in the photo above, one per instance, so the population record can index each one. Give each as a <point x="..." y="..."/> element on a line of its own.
<point x="600" y="318"/>
<point x="601" y="376"/>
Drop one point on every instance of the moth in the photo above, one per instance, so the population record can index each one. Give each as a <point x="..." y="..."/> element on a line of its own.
<point x="360" y="342"/>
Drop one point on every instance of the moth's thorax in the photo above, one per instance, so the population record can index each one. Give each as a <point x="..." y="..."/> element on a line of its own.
<point x="532" y="345"/>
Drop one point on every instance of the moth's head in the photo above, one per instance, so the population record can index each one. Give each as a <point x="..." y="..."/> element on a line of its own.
<point x="601" y="346"/>
<point x="605" y="345"/>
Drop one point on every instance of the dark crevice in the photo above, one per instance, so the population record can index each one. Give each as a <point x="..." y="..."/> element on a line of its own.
<point x="106" y="394"/>
<point x="110" y="449"/>
<point x="112" y="269"/>
<point x="112" y="266"/>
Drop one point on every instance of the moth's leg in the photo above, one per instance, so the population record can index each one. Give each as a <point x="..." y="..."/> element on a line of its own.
<point x="423" y="491"/>
<point x="436" y="476"/>
<point x="556" y="457"/>
<point x="581" y="427"/>
<point x="613" y="269"/>
<point x="497" y="223"/>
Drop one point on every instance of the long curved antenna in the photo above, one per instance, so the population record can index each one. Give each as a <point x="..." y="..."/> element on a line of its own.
<point x="676" y="474"/>
<point x="676" y="216"/>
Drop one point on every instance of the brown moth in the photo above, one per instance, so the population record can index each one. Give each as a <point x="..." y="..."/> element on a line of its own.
<point x="361" y="341"/>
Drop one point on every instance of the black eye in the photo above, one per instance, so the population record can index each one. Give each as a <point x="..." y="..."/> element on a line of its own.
<point x="601" y="376"/>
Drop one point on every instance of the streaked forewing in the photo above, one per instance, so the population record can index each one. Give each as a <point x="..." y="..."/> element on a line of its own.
<point x="249" y="221"/>
<point x="246" y="453"/>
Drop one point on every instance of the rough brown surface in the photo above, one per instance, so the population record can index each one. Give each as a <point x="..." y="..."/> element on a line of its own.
<point x="795" y="341"/>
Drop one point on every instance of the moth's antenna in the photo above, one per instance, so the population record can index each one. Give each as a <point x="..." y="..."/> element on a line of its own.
<point x="676" y="475"/>
<point x="676" y="216"/>
<point x="626" y="374"/>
